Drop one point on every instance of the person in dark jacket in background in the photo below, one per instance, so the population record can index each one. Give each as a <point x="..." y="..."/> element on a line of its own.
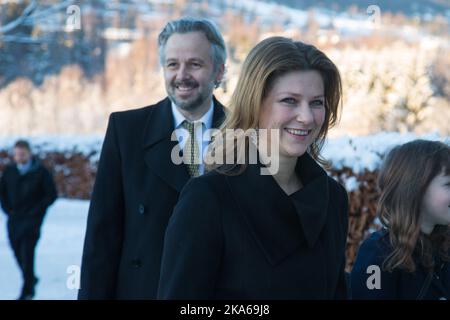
<point x="409" y="258"/>
<point x="26" y="191"/>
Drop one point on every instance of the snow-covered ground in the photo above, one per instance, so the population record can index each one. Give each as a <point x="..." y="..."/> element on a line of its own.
<point x="58" y="250"/>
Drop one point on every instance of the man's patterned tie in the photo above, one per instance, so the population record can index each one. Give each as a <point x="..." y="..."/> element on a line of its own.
<point x="191" y="153"/>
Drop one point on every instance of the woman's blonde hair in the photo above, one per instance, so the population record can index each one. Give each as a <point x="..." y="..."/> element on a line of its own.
<point x="267" y="61"/>
<point x="403" y="180"/>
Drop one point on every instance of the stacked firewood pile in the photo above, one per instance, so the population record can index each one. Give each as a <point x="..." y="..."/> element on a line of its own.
<point x="74" y="174"/>
<point x="362" y="209"/>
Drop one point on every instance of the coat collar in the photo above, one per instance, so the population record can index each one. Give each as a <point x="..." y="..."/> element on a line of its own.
<point x="311" y="202"/>
<point x="32" y="166"/>
<point x="158" y="146"/>
<point x="279" y="223"/>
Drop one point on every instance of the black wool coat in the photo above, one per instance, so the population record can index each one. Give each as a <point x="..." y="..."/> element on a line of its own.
<point x="242" y="237"/>
<point x="136" y="189"/>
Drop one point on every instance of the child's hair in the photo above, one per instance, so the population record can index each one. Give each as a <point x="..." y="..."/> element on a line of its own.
<point x="403" y="179"/>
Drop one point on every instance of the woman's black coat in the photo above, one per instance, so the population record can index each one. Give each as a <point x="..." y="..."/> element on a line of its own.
<point x="241" y="237"/>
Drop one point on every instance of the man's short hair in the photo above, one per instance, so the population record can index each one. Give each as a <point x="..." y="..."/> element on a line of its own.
<point x="23" y="144"/>
<point x="189" y="24"/>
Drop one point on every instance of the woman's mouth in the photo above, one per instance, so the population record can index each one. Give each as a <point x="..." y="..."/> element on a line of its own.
<point x="298" y="132"/>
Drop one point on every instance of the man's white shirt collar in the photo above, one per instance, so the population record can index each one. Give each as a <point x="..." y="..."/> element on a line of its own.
<point x="207" y="118"/>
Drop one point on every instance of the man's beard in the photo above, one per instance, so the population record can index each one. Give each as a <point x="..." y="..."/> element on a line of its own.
<point x="193" y="102"/>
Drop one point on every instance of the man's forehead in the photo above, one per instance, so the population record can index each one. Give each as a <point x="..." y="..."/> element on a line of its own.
<point x="177" y="36"/>
<point x="187" y="58"/>
<point x="189" y="45"/>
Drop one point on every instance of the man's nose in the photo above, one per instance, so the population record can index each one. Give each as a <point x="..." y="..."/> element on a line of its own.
<point x="183" y="73"/>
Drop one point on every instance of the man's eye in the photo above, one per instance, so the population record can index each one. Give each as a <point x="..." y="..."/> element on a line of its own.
<point x="196" y="65"/>
<point x="316" y="103"/>
<point x="171" y="65"/>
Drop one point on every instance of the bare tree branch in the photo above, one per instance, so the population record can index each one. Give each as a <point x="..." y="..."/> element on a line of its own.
<point x="54" y="8"/>
<point x="22" y="39"/>
<point x="30" y="15"/>
<point x="14" y="24"/>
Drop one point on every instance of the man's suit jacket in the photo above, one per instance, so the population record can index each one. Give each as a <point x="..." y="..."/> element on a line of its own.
<point x="241" y="237"/>
<point x="136" y="189"/>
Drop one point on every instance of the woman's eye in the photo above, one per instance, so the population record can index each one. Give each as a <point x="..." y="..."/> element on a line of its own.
<point x="289" y="101"/>
<point x="316" y="103"/>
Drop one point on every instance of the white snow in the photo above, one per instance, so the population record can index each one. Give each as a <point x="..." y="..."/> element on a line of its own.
<point x="358" y="24"/>
<point x="88" y="145"/>
<point x="354" y="24"/>
<point x="355" y="152"/>
<point x="59" y="248"/>
<point x="351" y="184"/>
<point x="367" y="152"/>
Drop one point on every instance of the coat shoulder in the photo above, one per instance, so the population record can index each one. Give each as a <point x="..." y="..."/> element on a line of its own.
<point x="43" y="169"/>
<point x="9" y="168"/>
<point x="369" y="266"/>
<point x="138" y="114"/>
<point x="199" y="200"/>
<point x="133" y="115"/>
<point x="210" y="182"/>
<point x="338" y="196"/>
<point x="130" y="123"/>
<point x="375" y="248"/>
<point x="337" y="188"/>
<point x="209" y="189"/>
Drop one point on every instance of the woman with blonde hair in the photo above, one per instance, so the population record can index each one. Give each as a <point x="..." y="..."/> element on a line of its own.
<point x="408" y="258"/>
<point x="267" y="222"/>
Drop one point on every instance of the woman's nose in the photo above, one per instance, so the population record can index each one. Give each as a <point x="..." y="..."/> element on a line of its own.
<point x="304" y="114"/>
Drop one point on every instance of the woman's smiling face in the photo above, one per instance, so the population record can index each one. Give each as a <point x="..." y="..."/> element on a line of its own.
<point x="296" y="106"/>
